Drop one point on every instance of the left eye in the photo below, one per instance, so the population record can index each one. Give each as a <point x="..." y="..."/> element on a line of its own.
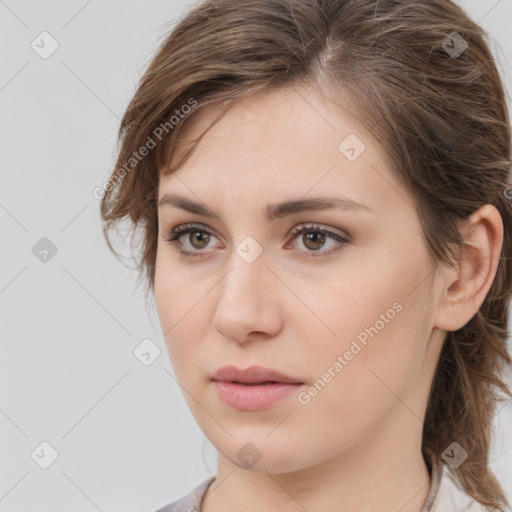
<point x="313" y="238"/>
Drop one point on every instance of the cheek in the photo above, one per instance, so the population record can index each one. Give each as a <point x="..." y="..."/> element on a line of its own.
<point x="348" y="405"/>
<point x="379" y="338"/>
<point x="176" y="304"/>
<point x="175" y="293"/>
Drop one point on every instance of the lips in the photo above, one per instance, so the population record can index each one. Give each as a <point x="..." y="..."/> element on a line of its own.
<point x="254" y="375"/>
<point x="253" y="389"/>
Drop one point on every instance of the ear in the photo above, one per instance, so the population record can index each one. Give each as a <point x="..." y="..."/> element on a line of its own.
<point x="465" y="287"/>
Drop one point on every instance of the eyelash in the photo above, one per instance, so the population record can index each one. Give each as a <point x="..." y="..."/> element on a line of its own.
<point x="176" y="233"/>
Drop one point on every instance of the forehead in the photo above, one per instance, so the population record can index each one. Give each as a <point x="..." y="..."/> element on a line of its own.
<point x="285" y="142"/>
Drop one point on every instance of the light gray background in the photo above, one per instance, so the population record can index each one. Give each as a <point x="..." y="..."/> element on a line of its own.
<point x="68" y="376"/>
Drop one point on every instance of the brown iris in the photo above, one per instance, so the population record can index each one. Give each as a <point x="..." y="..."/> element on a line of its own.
<point x="201" y="237"/>
<point x="318" y="240"/>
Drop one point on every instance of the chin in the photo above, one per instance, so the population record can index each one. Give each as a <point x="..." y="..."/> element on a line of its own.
<point x="256" y="453"/>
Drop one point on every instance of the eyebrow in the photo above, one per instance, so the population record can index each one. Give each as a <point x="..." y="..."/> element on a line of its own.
<point x="271" y="211"/>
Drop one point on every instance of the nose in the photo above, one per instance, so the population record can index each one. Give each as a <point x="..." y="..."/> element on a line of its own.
<point x="248" y="301"/>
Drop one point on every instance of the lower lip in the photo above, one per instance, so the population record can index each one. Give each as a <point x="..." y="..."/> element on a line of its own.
<point x="253" y="398"/>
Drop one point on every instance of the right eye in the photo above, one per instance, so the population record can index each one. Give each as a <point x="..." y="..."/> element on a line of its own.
<point x="201" y="237"/>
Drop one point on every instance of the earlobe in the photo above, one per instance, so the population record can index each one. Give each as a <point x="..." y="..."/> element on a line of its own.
<point x="467" y="284"/>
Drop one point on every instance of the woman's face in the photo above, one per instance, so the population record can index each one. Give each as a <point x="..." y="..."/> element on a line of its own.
<point x="343" y="308"/>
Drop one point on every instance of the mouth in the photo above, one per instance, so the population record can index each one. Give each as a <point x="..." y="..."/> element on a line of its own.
<point x="254" y="396"/>
<point x="253" y="388"/>
<point x="254" y="383"/>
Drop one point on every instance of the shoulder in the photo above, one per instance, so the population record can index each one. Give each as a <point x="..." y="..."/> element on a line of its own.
<point x="191" y="502"/>
<point x="451" y="498"/>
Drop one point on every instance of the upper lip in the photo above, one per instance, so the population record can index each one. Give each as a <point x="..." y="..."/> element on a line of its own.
<point x="251" y="375"/>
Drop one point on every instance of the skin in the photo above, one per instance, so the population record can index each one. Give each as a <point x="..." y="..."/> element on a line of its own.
<point x="356" y="446"/>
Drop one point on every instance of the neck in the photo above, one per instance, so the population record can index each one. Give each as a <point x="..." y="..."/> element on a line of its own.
<point x="383" y="471"/>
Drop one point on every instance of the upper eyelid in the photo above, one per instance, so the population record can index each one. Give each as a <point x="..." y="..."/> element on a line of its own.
<point x="316" y="226"/>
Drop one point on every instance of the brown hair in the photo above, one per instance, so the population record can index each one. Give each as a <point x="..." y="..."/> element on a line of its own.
<point x="438" y="109"/>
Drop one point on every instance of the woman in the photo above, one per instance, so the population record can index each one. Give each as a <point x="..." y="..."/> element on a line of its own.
<point x="323" y="197"/>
